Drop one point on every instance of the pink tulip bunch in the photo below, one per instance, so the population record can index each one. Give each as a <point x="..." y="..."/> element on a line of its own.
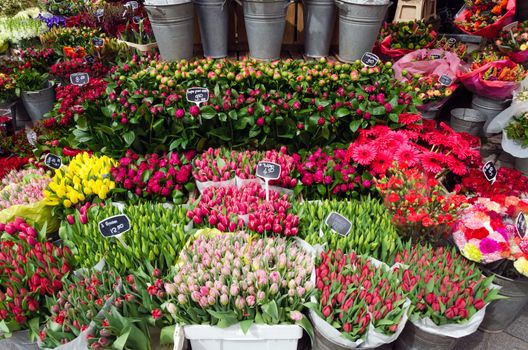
<point x="23" y="187"/>
<point x="214" y="165"/>
<point x="19" y="227"/>
<point x="165" y="177"/>
<point x="264" y="280"/>
<point x="226" y="207"/>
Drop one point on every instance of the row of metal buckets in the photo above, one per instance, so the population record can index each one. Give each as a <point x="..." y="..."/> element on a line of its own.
<point x="173" y="25"/>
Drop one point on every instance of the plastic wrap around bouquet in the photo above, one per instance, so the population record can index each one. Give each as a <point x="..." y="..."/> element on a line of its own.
<point x="491" y="30"/>
<point x="486" y="232"/>
<point x="385" y="47"/>
<point x="501" y="121"/>
<point x="474" y="81"/>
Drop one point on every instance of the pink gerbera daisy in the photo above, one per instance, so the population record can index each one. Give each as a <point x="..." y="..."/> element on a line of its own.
<point x="431" y="163"/>
<point x="363" y="154"/>
<point x="382" y="162"/>
<point x="406" y="155"/>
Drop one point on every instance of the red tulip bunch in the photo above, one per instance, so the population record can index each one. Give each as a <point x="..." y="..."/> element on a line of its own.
<point x="28" y="273"/>
<point x="225" y="208"/>
<point x="442" y="285"/>
<point x="354" y="293"/>
<point x="165" y="177"/>
<point x="19" y="227"/>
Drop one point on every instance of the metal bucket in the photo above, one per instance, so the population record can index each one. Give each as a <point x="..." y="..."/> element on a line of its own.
<point x="173" y="27"/>
<point x="213" y="16"/>
<point x="430" y="114"/>
<point x="488" y="107"/>
<point x="359" y="25"/>
<point x="319" y="20"/>
<point x="38" y="103"/>
<point x="265" y="21"/>
<point x="321" y="342"/>
<point x="521" y="164"/>
<point x="467" y="120"/>
<point x="413" y="338"/>
<point x="500" y="314"/>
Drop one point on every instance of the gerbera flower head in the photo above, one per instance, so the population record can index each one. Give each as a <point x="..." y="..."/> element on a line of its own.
<point x="364" y="154"/>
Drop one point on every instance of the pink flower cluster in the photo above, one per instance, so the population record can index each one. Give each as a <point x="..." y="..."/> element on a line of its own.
<point x="214" y="165"/>
<point x="226" y="207"/>
<point x="232" y="272"/>
<point x="22" y="229"/>
<point x="155" y="177"/>
<point x="23" y="187"/>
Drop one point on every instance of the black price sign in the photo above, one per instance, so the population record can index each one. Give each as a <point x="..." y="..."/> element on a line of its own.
<point x="197" y="95"/>
<point x="79" y="79"/>
<point x="338" y="223"/>
<point x="99" y="13"/>
<point x="451" y="41"/>
<point x="445" y="80"/>
<point x="98" y="42"/>
<point x="132" y="4"/>
<point x="435" y="56"/>
<point x="53" y="161"/>
<point x="114" y="225"/>
<point x="369" y="59"/>
<point x="490" y="172"/>
<point x="520" y="225"/>
<point x="268" y="170"/>
<point x="137" y="19"/>
<point x="89" y="59"/>
<point x="31" y="137"/>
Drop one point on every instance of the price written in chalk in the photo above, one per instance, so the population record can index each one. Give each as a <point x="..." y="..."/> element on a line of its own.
<point x="369" y="59"/>
<point x="268" y="170"/>
<point x="520" y="225"/>
<point x="197" y="95"/>
<point x="490" y="172"/>
<point x="132" y="5"/>
<point x="53" y="161"/>
<point x="445" y="80"/>
<point x="338" y="223"/>
<point x="97" y="42"/>
<point x="114" y="225"/>
<point x="79" y="79"/>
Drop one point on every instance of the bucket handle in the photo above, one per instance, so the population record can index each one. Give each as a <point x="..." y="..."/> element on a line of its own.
<point x="341" y="5"/>
<point x="288" y="3"/>
<point x="153" y="8"/>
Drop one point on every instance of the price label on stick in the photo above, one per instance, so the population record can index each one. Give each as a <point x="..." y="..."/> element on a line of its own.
<point x="510" y="26"/>
<point x="268" y="171"/>
<point x="451" y="41"/>
<point x="31" y="136"/>
<point x="338" y="223"/>
<point x="520" y="225"/>
<point x="132" y="5"/>
<point x="79" y="79"/>
<point x="99" y="13"/>
<point x="198" y="95"/>
<point x="137" y="19"/>
<point x="98" y="42"/>
<point x="115" y="226"/>
<point x="369" y="59"/>
<point x="435" y="56"/>
<point x="53" y="161"/>
<point x="490" y="172"/>
<point x="445" y="80"/>
<point x="89" y="59"/>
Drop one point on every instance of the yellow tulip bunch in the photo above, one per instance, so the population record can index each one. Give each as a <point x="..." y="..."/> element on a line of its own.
<point x="85" y="177"/>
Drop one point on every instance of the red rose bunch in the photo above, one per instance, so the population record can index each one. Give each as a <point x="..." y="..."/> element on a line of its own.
<point x="509" y="182"/>
<point x="226" y="208"/>
<point x="442" y="285"/>
<point x="28" y="273"/>
<point x="354" y="293"/>
<point x="165" y="177"/>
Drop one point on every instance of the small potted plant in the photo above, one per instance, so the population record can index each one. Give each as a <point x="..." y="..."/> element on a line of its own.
<point x="138" y="35"/>
<point x="232" y="288"/>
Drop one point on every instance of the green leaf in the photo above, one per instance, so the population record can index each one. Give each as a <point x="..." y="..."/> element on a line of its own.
<point x="158" y="125"/>
<point x="354" y="125"/>
<point x="129" y="137"/>
<point x="271" y="310"/>
<point x="307" y="326"/>
<point x="167" y="335"/>
<point x="120" y="342"/>
<point x="342" y="112"/>
<point x="246" y="325"/>
<point x="380" y="110"/>
<point x="207" y="112"/>
<point x="221" y="133"/>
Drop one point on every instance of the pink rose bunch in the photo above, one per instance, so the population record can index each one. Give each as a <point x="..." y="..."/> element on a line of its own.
<point x="486" y="231"/>
<point x="353" y="293"/>
<point x="28" y="274"/>
<point x="23" y="187"/>
<point x="21" y="229"/>
<point x="226" y="207"/>
<point x="165" y="177"/>
<point x="214" y="165"/>
<point x="265" y="280"/>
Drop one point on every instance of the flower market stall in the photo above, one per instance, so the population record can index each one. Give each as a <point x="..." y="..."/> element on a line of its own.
<point x="156" y="199"/>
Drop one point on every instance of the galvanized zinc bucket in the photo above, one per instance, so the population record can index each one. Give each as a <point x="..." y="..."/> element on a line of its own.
<point x="413" y="338"/>
<point x="321" y="342"/>
<point x="37" y="103"/>
<point x="488" y="107"/>
<point x="521" y="164"/>
<point x="213" y="16"/>
<point x="173" y="26"/>
<point x="265" y="21"/>
<point x="500" y="314"/>
<point x="359" y="24"/>
<point x="319" y="20"/>
<point x="467" y="120"/>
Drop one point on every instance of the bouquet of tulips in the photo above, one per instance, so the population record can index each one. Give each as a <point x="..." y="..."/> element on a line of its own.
<point x="486" y="233"/>
<point x="29" y="271"/>
<point x="225" y="279"/>
<point x="421" y="207"/>
<point x="85" y="177"/>
<point x="231" y="209"/>
<point x="372" y="232"/>
<point x="157" y="234"/>
<point x="23" y="187"/>
<point x="444" y="289"/>
<point x="160" y="178"/>
<point x="359" y="301"/>
<point x="214" y="165"/>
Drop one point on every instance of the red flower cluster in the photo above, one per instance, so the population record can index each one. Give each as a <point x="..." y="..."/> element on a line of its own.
<point x="11" y="163"/>
<point x="64" y="69"/>
<point x="226" y="207"/>
<point x="442" y="285"/>
<point x="354" y="293"/>
<point x="22" y="229"/>
<point x="156" y="177"/>
<point x="509" y="182"/>
<point x="28" y="273"/>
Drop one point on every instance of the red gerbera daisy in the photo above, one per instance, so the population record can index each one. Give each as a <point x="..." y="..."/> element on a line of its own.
<point x="406" y="155"/>
<point x="430" y="162"/>
<point x="363" y="154"/>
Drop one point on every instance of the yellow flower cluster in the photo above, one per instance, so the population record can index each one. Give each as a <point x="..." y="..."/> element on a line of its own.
<point x="84" y="177"/>
<point x="472" y="252"/>
<point x="521" y="265"/>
